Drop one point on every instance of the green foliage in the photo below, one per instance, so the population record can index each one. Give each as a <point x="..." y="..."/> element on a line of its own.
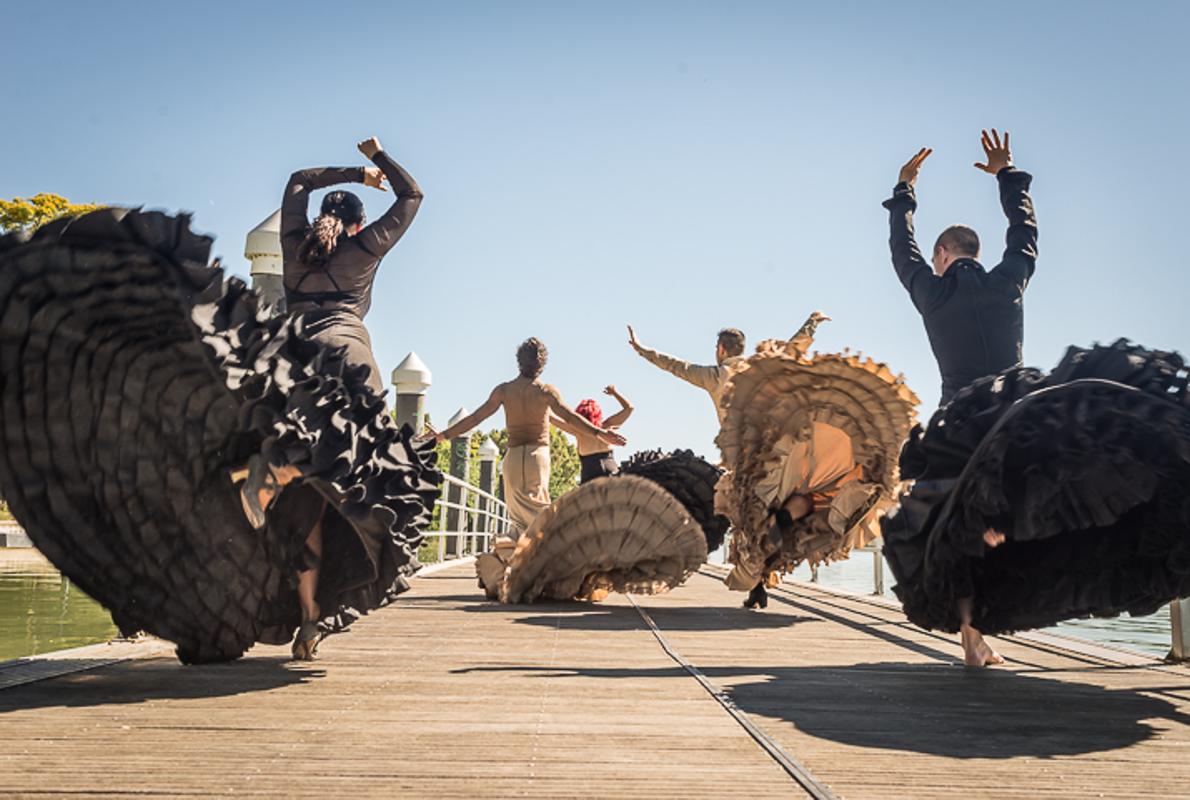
<point x="26" y="214"/>
<point x="564" y="461"/>
<point x="564" y="464"/>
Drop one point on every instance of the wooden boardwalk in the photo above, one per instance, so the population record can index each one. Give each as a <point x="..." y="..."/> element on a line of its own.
<point x="444" y="695"/>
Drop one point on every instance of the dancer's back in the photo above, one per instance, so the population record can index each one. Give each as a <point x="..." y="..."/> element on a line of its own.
<point x="526" y="411"/>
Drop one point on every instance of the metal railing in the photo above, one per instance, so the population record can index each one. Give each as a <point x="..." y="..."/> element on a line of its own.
<point x="479" y="515"/>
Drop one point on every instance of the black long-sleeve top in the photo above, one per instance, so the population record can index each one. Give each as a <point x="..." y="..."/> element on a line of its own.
<point x="974" y="317"/>
<point x="345" y="280"/>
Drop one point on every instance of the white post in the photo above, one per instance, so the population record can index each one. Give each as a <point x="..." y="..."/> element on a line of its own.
<point x="411" y="379"/>
<point x="262" y="248"/>
<point x="1179" y="623"/>
<point x="878" y="572"/>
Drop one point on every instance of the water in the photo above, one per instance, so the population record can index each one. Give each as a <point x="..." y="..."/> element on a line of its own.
<point x="41" y="611"/>
<point x="1149" y="635"/>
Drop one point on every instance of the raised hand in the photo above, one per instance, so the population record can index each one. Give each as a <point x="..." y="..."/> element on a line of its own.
<point x="632" y="338"/>
<point x="610" y="390"/>
<point x="913" y="166"/>
<point x="375" y="178"/>
<point x="998" y="155"/>
<point x="370" y="147"/>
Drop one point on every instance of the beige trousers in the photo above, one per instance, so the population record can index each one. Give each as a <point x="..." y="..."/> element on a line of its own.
<point x="526" y="483"/>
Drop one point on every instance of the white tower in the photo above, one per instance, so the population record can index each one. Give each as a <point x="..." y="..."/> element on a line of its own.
<point x="263" y="250"/>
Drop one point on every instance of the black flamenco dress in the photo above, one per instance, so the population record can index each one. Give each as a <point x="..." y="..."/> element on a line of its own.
<point x="1086" y="470"/>
<point x="133" y="378"/>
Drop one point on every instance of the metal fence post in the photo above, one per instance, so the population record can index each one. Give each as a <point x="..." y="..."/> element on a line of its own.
<point x="1179" y="623"/>
<point x="460" y="467"/>
<point x="878" y="571"/>
<point x="411" y="379"/>
<point x="488" y="453"/>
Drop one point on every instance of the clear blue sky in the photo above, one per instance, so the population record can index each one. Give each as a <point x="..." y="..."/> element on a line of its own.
<point x="683" y="166"/>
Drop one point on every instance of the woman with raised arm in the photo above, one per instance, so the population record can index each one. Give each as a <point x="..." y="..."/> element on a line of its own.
<point x="329" y="267"/>
<point x="181" y="386"/>
<point x="330" y="264"/>
<point x="596" y="458"/>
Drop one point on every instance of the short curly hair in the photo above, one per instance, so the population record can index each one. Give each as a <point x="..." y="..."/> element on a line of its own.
<point x="531" y="357"/>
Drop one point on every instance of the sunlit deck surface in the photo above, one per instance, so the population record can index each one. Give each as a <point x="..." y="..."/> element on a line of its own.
<point x="445" y="695"/>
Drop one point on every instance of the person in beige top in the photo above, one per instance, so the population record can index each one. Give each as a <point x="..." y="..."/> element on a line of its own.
<point x="729" y="353"/>
<point x="595" y="456"/>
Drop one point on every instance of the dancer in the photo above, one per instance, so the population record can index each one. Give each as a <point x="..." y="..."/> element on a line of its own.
<point x="527" y="404"/>
<point x="810" y="445"/>
<point x="595" y="458"/>
<point x="1045" y="497"/>
<point x="729" y="351"/>
<point x="329" y="266"/>
<point x="174" y="376"/>
<point x="974" y="317"/>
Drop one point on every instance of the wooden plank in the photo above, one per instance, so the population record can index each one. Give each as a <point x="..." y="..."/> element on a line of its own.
<point x="446" y="695"/>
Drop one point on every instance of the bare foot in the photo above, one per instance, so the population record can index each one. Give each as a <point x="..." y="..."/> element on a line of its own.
<point x="993" y="538"/>
<point x="976" y="651"/>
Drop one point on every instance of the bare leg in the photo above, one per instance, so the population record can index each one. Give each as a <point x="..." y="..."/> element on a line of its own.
<point x="976" y="652"/>
<point x="308" y="579"/>
<point x="305" y="644"/>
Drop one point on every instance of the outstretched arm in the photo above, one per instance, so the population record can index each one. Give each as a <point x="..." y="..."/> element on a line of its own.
<point x="572" y="419"/>
<point x="561" y="424"/>
<point x="469" y="422"/>
<point x="915" y="274"/>
<point x="621" y="416"/>
<point x="1020" y="252"/>
<point x="704" y="377"/>
<point x="379" y="237"/>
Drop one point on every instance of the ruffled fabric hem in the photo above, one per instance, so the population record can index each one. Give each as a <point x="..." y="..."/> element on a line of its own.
<point x="1084" y="470"/>
<point x="134" y="379"/>
<point x="779" y="404"/>
<point x="618" y="534"/>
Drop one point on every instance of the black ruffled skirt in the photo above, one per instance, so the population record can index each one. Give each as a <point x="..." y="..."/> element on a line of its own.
<point x="688" y="478"/>
<point x="1086" y="470"/>
<point x="132" y="380"/>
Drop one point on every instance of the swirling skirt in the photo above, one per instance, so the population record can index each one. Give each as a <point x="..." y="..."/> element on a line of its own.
<point x="133" y="378"/>
<point x="1086" y="471"/>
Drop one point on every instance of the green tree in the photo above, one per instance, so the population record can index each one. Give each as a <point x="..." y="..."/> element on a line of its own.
<point x="26" y="214"/>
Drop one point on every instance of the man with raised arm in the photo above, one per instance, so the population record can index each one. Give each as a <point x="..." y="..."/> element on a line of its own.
<point x="974" y="317"/>
<point x="527" y="404"/>
<point x="729" y="353"/>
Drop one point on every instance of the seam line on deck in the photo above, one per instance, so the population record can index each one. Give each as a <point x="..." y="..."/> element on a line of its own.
<point x="794" y="768"/>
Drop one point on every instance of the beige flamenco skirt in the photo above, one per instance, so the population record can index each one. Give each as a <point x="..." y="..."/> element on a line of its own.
<point x="619" y="534"/>
<point x="828" y="428"/>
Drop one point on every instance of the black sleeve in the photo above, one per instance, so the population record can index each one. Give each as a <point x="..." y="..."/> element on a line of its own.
<point x="916" y="275"/>
<point x="380" y="236"/>
<point x="295" y="203"/>
<point x="1020" y="252"/>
